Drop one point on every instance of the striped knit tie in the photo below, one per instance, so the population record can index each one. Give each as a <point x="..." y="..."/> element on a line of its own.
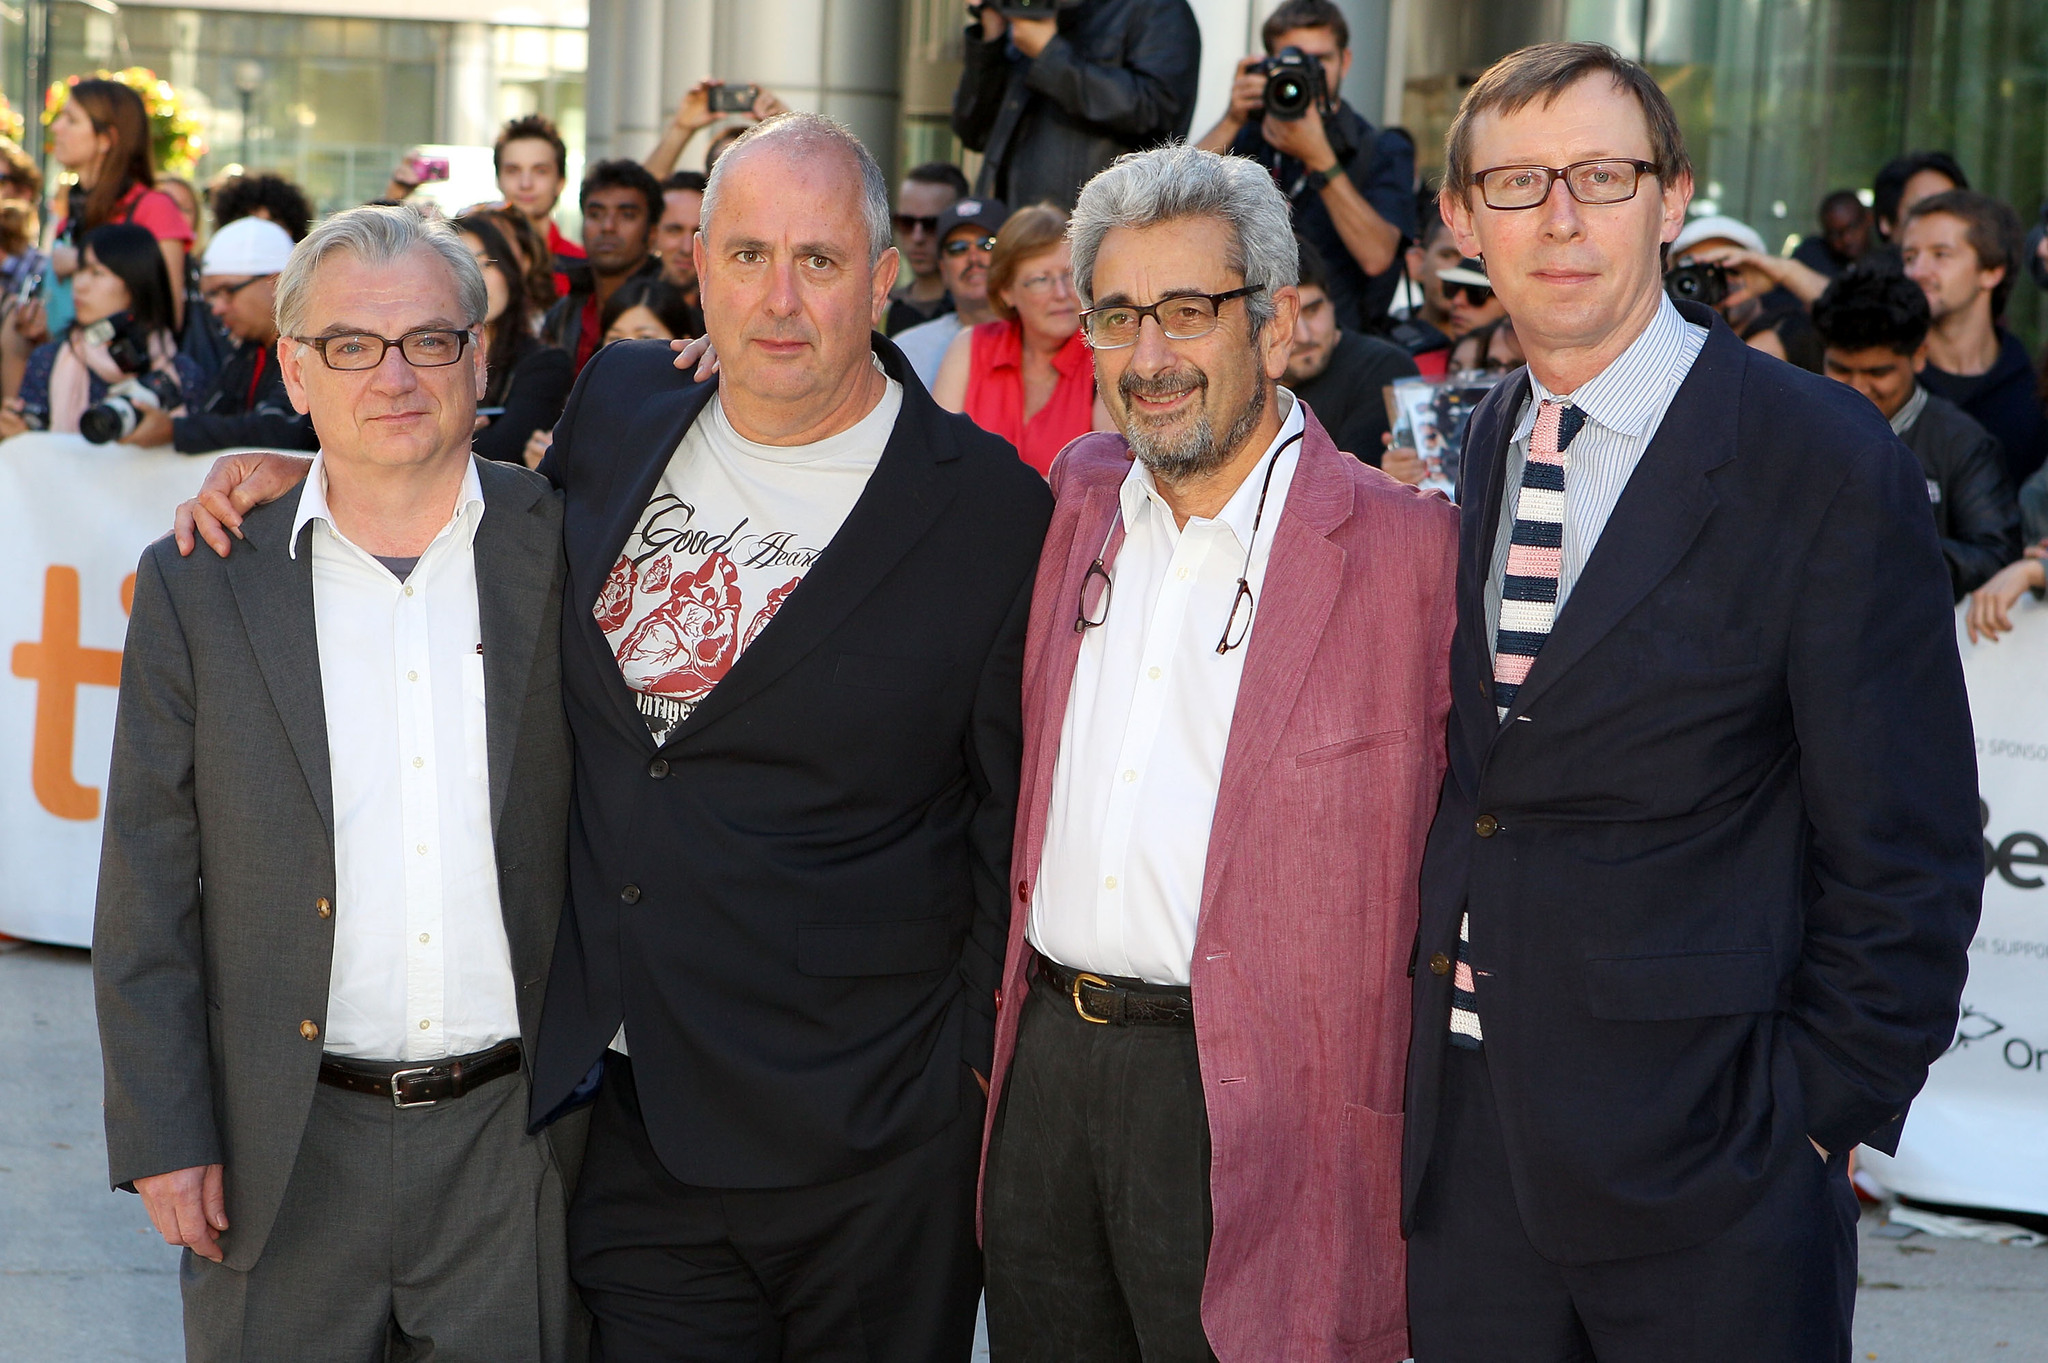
<point x="1528" y="608"/>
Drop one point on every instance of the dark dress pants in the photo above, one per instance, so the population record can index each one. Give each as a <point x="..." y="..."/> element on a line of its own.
<point x="1778" y="1286"/>
<point x="1096" y="1216"/>
<point x="879" y="1267"/>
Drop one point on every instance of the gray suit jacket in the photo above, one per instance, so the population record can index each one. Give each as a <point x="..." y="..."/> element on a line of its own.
<point x="209" y="951"/>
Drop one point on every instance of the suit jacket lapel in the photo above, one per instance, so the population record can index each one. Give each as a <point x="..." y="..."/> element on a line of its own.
<point x="274" y="593"/>
<point x="515" y="555"/>
<point x="1303" y="575"/>
<point x="904" y="495"/>
<point x="1661" y="511"/>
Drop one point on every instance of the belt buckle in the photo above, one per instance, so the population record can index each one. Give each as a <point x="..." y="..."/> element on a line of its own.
<point x="1082" y="977"/>
<point x="398" y="1078"/>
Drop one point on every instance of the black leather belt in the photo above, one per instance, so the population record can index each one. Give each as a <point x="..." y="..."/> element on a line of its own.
<point x="421" y="1085"/>
<point x="1118" y="1002"/>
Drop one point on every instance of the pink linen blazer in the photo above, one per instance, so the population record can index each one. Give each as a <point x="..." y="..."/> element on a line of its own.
<point x="1308" y="912"/>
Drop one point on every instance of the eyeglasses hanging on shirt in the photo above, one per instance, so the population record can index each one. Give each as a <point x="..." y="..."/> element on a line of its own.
<point x="1242" y="603"/>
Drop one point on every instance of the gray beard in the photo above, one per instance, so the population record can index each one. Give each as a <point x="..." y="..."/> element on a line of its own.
<point x="1199" y="452"/>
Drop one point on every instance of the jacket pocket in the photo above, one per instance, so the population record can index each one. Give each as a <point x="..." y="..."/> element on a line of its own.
<point x="1348" y="747"/>
<point x="840" y="950"/>
<point x="1685" y="984"/>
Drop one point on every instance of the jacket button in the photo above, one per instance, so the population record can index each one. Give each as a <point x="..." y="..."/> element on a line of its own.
<point x="1486" y="826"/>
<point x="323" y="908"/>
<point x="630" y="895"/>
<point x="310" y="1030"/>
<point x="1024" y="890"/>
<point x="658" y="768"/>
<point x="1439" y="964"/>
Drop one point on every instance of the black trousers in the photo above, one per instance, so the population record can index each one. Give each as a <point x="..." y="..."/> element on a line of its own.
<point x="880" y="1267"/>
<point x="1778" y="1286"/>
<point x="1096" y="1217"/>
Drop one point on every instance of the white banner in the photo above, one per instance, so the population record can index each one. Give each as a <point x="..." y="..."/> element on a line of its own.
<point x="1976" y="1133"/>
<point x="74" y="518"/>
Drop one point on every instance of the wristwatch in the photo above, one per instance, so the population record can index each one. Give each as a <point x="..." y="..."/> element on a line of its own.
<point x="1316" y="179"/>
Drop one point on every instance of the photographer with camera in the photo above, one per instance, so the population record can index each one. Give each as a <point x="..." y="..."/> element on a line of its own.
<point x="1352" y="188"/>
<point x="119" y="357"/>
<point x="1052" y="91"/>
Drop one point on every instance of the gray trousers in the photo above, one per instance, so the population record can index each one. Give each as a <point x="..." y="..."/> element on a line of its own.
<point x="429" y="1233"/>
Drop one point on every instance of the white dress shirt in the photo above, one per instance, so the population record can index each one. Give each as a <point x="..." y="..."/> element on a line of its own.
<point x="422" y="970"/>
<point x="1119" y="884"/>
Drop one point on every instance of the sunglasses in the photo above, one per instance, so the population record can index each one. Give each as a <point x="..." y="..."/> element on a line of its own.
<point x="1478" y="295"/>
<point x="963" y="245"/>
<point x="906" y="223"/>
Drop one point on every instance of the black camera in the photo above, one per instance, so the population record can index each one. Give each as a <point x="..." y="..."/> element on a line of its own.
<point x="126" y="340"/>
<point x="1294" y="81"/>
<point x="116" y="416"/>
<point x="1698" y="282"/>
<point x="1033" y="9"/>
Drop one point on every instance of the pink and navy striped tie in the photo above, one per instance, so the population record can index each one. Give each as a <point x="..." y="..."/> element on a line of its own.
<point x="1528" y="608"/>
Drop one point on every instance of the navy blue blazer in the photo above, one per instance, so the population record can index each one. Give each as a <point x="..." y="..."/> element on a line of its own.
<point x="1729" y="863"/>
<point x="799" y="903"/>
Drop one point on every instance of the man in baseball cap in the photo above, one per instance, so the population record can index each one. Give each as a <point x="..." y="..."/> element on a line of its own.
<point x="966" y="235"/>
<point x="245" y="404"/>
<point x="1469" y="296"/>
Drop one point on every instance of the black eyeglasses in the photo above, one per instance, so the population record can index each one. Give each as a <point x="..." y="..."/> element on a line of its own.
<point x="1181" y="317"/>
<point x="1478" y="295"/>
<point x="906" y="223"/>
<point x="432" y="348"/>
<point x="1506" y="188"/>
<point x="224" y="292"/>
<point x="1238" y="624"/>
<point x="960" y="246"/>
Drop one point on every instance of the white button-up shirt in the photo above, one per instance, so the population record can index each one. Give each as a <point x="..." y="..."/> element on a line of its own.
<point x="1119" y="884"/>
<point x="422" y="969"/>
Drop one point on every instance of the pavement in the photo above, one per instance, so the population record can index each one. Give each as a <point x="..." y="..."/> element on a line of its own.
<point x="83" y="1278"/>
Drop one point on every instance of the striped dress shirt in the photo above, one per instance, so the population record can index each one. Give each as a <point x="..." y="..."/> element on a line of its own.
<point x="1624" y="404"/>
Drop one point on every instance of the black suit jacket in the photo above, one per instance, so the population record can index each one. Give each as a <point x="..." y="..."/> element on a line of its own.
<point x="798" y="903"/>
<point x="1736" y="865"/>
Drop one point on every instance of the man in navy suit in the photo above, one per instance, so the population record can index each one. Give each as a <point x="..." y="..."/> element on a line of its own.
<point x="1697" y="897"/>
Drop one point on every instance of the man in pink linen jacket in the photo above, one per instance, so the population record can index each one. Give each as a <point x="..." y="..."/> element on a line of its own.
<point x="1287" y="980"/>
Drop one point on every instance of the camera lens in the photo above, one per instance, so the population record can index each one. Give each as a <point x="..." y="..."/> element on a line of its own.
<point x="107" y="422"/>
<point x="1287" y="95"/>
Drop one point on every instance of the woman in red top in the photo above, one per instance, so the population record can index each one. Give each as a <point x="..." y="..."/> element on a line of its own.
<point x="1028" y="376"/>
<point x="102" y="136"/>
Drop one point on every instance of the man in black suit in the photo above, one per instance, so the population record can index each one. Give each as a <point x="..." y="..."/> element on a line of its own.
<point x="1697" y="897"/>
<point x="792" y="641"/>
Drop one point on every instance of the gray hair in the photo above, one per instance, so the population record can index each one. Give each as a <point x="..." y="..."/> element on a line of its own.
<point x="808" y="132"/>
<point x="1169" y="184"/>
<point x="376" y="235"/>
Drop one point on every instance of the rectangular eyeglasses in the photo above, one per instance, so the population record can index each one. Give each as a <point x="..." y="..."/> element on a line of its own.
<point x="426" y="349"/>
<point x="1590" y="182"/>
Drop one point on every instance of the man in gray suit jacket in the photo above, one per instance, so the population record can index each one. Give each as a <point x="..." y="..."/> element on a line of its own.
<point x="334" y="858"/>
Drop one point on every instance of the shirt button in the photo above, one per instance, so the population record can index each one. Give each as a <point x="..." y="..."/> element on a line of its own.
<point x="412" y="676"/>
<point x="1109" y="882"/>
<point x="419" y="761"/>
<point x="1182" y="574"/>
<point x="1024" y="890"/>
<point x="1153" y="674"/>
<point x="1486" y="825"/>
<point x="421" y="849"/>
<point x="310" y="1030"/>
<point x="1439" y="964"/>
<point x="423" y="939"/>
<point x="408" y="592"/>
<point x="425" y="1023"/>
<point x="630" y="895"/>
<point x="658" y="768"/>
<point x="1129" y="777"/>
<point x="323" y="908"/>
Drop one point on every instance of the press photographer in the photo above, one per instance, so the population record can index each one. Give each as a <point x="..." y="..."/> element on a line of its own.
<point x="119" y="358"/>
<point x="1352" y="187"/>
<point x="1052" y="91"/>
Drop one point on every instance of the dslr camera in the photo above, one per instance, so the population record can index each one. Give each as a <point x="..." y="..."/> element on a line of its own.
<point x="145" y="389"/>
<point x="1294" y="81"/>
<point x="1698" y="282"/>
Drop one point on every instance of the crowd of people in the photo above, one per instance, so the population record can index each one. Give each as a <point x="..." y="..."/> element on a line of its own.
<point x="921" y="786"/>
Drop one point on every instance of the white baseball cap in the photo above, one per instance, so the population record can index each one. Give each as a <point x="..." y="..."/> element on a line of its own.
<point x="248" y="246"/>
<point x="1718" y="227"/>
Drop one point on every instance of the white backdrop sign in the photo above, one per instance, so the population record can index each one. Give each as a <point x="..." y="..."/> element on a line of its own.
<point x="1976" y="1132"/>
<point x="74" y="518"/>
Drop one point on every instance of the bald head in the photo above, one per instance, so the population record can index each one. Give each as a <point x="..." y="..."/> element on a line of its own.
<point x="795" y="147"/>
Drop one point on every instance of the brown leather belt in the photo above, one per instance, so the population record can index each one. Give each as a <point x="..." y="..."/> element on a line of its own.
<point x="421" y="1085"/>
<point x="1118" y="1002"/>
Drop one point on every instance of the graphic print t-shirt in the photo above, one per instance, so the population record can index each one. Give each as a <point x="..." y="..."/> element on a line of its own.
<point x="729" y="533"/>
